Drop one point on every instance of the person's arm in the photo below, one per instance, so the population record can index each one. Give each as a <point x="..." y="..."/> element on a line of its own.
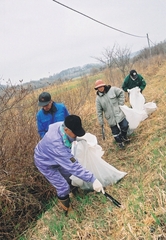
<point x="120" y="95"/>
<point x="63" y="157"/>
<point x="125" y="84"/>
<point x="142" y="83"/>
<point x="99" y="111"/>
<point x="41" y="131"/>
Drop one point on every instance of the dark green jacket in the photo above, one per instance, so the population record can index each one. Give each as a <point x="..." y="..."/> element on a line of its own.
<point x="129" y="83"/>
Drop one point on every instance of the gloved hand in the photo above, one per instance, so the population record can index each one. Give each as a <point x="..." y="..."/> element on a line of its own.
<point x="138" y="89"/>
<point x="97" y="186"/>
<point x="128" y="90"/>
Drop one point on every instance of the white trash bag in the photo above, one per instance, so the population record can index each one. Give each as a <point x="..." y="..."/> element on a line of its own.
<point x="150" y="107"/>
<point x="136" y="99"/>
<point x="134" y="117"/>
<point x="89" y="155"/>
<point x="139" y="111"/>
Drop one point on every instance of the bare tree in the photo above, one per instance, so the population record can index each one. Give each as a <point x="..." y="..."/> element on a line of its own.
<point x="122" y="60"/>
<point x="107" y="60"/>
<point x="116" y="58"/>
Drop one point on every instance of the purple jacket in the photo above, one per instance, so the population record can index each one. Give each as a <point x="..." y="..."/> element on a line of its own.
<point x="54" y="160"/>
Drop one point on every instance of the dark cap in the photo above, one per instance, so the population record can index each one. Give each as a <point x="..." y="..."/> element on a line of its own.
<point x="73" y="122"/>
<point x="133" y="74"/>
<point x="44" y="99"/>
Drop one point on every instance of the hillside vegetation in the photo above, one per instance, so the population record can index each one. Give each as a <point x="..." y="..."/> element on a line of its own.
<point x="142" y="192"/>
<point x="29" y="209"/>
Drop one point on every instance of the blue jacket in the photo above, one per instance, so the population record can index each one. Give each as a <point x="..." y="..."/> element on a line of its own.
<point x="56" y="162"/>
<point x="44" y="119"/>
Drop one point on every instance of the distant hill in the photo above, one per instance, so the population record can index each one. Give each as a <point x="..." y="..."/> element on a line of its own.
<point x="65" y="75"/>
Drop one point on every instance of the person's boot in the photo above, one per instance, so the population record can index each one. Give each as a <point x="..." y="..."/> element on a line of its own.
<point x="121" y="145"/>
<point x="124" y="137"/>
<point x="65" y="204"/>
<point x="74" y="190"/>
<point x="126" y="140"/>
<point x="119" y="141"/>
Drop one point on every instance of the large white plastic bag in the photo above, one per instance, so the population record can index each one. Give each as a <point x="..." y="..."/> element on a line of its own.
<point x="133" y="116"/>
<point x="136" y="99"/>
<point x="137" y="113"/>
<point x="150" y="107"/>
<point x="89" y="154"/>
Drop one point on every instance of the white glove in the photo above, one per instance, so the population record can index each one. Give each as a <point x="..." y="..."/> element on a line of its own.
<point x="97" y="186"/>
<point x="128" y="90"/>
<point x="138" y="90"/>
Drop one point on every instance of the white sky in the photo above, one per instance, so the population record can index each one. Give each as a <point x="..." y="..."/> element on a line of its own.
<point x="40" y="37"/>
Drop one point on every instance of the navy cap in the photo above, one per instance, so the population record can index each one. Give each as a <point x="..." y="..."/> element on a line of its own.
<point x="73" y="122"/>
<point x="44" y="99"/>
<point x="133" y="74"/>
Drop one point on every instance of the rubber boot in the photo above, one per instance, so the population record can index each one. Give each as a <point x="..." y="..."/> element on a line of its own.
<point x="125" y="138"/>
<point x="119" y="140"/>
<point x="65" y="204"/>
<point x="74" y="190"/>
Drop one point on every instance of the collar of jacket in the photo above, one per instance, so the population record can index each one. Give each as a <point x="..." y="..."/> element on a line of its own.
<point x="106" y="89"/>
<point x="65" y="139"/>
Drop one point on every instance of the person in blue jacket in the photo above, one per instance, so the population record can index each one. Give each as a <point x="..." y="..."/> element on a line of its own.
<point x="54" y="159"/>
<point x="50" y="112"/>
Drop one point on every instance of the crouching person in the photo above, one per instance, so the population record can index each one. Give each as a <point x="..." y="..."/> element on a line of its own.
<point x="54" y="159"/>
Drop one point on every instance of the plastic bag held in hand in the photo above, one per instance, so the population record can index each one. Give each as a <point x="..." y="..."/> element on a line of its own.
<point x="97" y="186"/>
<point x="138" y="90"/>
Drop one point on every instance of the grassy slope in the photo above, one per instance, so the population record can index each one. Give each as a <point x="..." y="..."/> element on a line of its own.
<point x="142" y="192"/>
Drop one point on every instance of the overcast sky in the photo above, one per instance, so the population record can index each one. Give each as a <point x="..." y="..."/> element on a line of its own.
<point x="39" y="38"/>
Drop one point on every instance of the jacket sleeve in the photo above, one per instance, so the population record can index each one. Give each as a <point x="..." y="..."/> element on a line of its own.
<point x="66" y="112"/>
<point x="120" y="96"/>
<point x="142" y="83"/>
<point x="125" y="84"/>
<point x="41" y="132"/>
<point x="66" y="160"/>
<point x="99" y="111"/>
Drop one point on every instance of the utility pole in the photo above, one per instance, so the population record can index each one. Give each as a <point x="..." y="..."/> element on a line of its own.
<point x="149" y="44"/>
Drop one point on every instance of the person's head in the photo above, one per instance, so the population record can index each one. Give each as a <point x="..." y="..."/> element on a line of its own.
<point x="73" y="126"/>
<point x="100" y="85"/>
<point x="133" y="74"/>
<point x="45" y="101"/>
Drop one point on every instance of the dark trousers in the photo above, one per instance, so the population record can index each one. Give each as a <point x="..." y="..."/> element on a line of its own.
<point x="120" y="131"/>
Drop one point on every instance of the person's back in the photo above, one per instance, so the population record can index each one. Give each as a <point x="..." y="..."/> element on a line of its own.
<point x="51" y="112"/>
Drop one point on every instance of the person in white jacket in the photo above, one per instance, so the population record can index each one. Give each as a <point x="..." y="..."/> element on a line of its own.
<point x="108" y="102"/>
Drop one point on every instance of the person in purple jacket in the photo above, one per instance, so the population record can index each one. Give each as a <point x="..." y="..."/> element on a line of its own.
<point x="50" y="112"/>
<point x="54" y="159"/>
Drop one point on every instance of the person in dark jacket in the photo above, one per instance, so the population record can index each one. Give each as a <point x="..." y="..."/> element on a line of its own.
<point x="54" y="159"/>
<point x="108" y="101"/>
<point x="50" y="112"/>
<point x="133" y="80"/>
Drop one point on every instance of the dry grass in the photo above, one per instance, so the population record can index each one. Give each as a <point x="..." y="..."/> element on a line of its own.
<point x="142" y="192"/>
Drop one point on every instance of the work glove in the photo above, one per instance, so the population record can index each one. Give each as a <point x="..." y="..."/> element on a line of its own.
<point x="97" y="186"/>
<point x="128" y="90"/>
<point x="138" y="89"/>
